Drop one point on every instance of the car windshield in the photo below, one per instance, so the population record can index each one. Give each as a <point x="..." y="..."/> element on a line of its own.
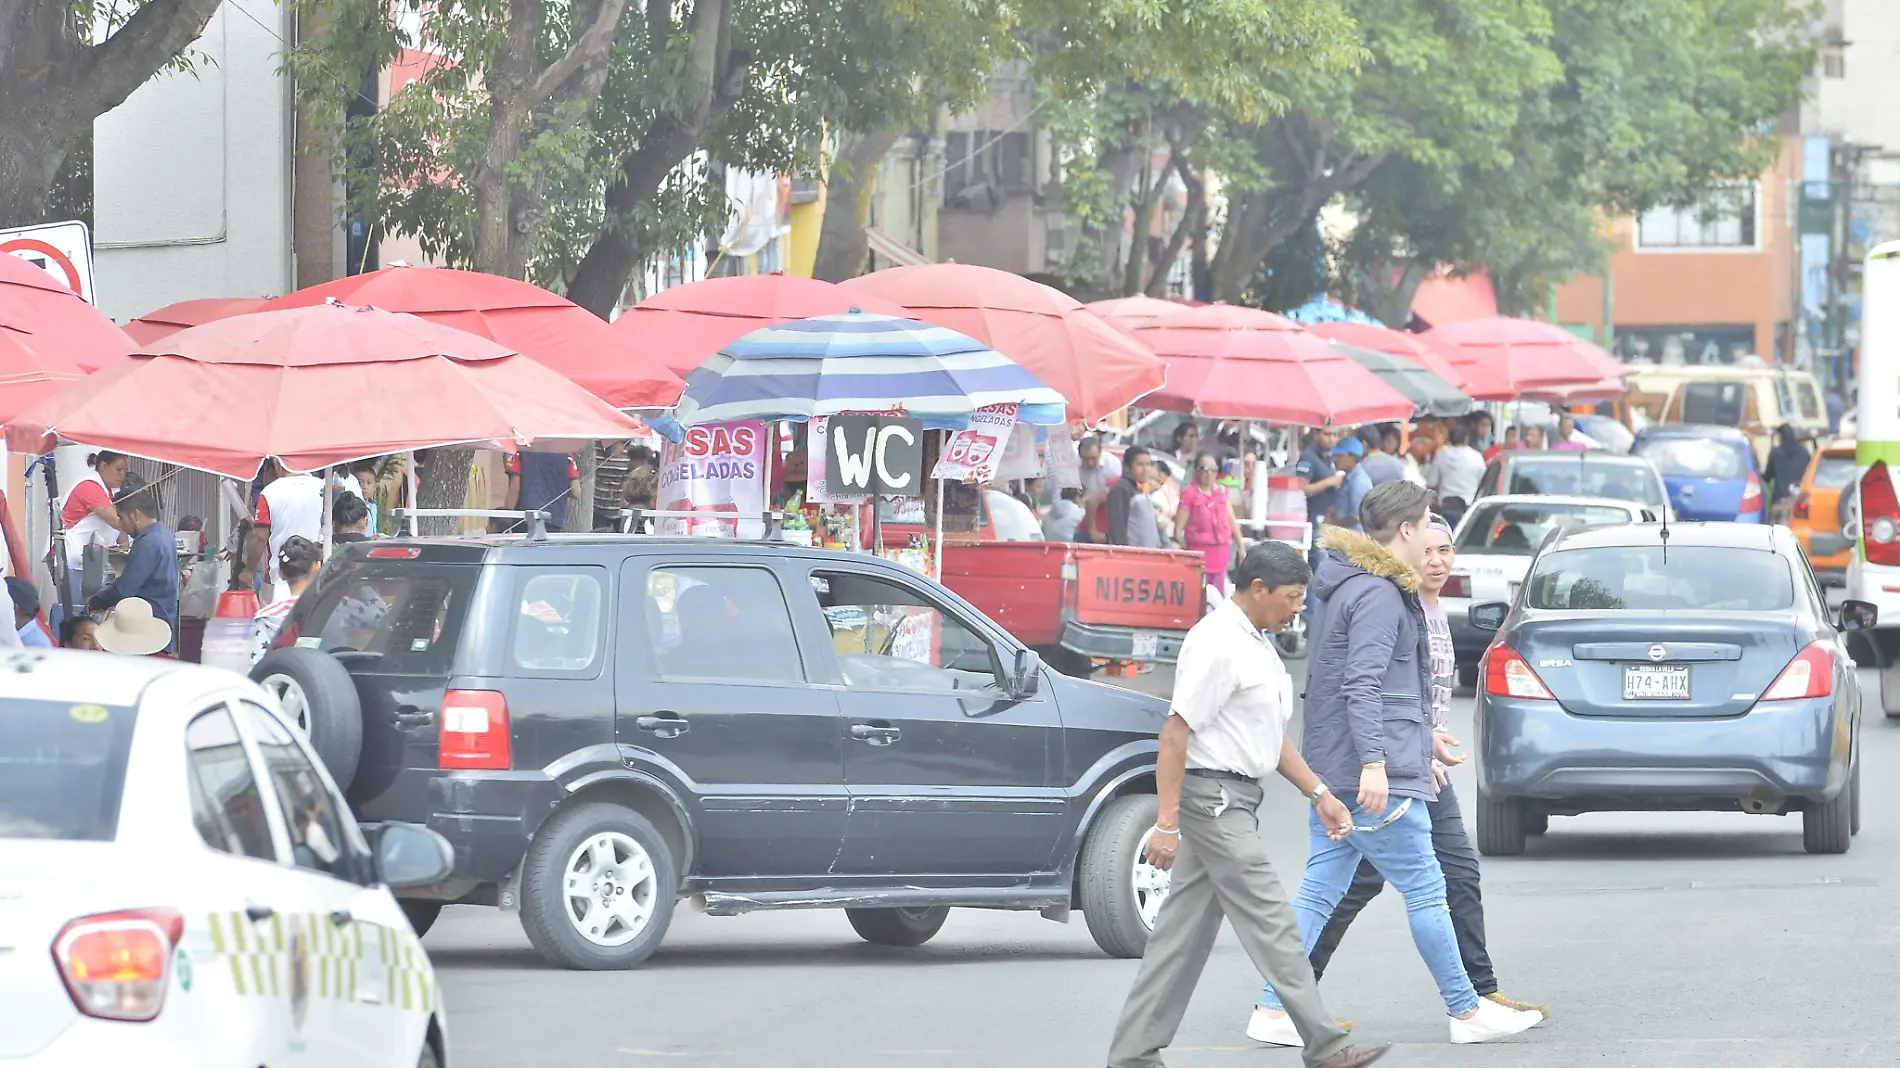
<point x="1517" y="529"/>
<point x="62" y="766"/>
<point x="1580" y="475"/>
<point x="1696" y="457"/>
<point x="1692" y="577"/>
<point x="1835" y="470"/>
<point x="1714" y="403"/>
<point x="405" y="614"/>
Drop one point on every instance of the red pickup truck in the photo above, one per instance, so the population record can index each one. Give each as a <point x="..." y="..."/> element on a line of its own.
<point x="1075" y="602"/>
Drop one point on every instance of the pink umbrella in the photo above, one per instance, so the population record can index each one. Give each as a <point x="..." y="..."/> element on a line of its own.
<point x="1401" y="343"/>
<point x="186" y="314"/>
<point x="1137" y="312"/>
<point x="681" y="326"/>
<point x="31" y="302"/>
<point x="1516" y="357"/>
<point x="317" y="386"/>
<point x="1242" y="363"/>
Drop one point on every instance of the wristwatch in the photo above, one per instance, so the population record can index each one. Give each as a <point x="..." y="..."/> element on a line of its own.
<point x="1318" y="792"/>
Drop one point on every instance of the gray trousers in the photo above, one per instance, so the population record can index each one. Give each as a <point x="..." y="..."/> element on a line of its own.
<point x="1222" y="870"/>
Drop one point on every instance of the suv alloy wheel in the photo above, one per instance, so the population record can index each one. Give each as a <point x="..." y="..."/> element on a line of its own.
<point x="1121" y="892"/>
<point x="598" y="888"/>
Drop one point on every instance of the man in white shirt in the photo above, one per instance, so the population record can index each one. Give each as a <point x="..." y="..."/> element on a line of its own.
<point x="1226" y="730"/>
<point x="1013" y="519"/>
<point x="291" y="506"/>
<point x="1455" y="473"/>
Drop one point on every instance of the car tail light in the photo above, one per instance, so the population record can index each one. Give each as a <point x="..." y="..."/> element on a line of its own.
<point x="1809" y="674"/>
<point x="1456" y="586"/>
<point x="1879" y="516"/>
<point x="1751" y="495"/>
<point x="475" y="731"/>
<point x="1803" y="502"/>
<point x="117" y="964"/>
<point x="1507" y="674"/>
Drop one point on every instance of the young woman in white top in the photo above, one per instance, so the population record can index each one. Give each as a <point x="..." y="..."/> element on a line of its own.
<point x="88" y="514"/>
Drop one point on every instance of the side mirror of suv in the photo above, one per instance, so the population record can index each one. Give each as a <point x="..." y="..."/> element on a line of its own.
<point x="1489" y="616"/>
<point x="1025" y="679"/>
<point x="409" y="855"/>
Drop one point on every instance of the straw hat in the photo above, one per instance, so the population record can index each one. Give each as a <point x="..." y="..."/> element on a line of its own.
<point x="132" y="630"/>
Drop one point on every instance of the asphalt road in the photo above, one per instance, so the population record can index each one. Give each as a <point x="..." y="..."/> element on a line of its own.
<point x="1675" y="940"/>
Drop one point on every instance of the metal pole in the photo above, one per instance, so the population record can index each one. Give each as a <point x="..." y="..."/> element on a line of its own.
<point x="936" y="543"/>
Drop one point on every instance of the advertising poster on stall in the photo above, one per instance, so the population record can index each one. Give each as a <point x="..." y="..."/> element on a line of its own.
<point x="974" y="451"/>
<point x="717" y="469"/>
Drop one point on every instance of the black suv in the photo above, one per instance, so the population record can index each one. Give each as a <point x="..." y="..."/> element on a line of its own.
<point x="602" y="724"/>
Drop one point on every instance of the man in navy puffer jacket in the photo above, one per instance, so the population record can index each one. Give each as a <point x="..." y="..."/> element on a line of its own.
<point x="1368" y="736"/>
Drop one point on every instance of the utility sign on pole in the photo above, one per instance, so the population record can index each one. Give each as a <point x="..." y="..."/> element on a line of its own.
<point x="63" y="250"/>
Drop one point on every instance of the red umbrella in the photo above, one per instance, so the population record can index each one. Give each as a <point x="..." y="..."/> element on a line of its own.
<point x="553" y="331"/>
<point x="1242" y="363"/>
<point x="1137" y="312"/>
<point x="314" y="387"/>
<point x="185" y="314"/>
<point x="683" y="325"/>
<point x="1504" y="358"/>
<point x="1098" y="366"/>
<point x="1400" y="343"/>
<point x="29" y="375"/>
<point x="31" y="302"/>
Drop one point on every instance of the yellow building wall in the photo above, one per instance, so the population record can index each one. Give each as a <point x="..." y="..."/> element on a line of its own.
<point x="802" y="243"/>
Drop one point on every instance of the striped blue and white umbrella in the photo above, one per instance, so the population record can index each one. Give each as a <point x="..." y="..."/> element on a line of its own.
<point x="858" y="362"/>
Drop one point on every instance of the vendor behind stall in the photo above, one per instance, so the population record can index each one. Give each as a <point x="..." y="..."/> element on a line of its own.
<point x="88" y="515"/>
<point x="151" y="568"/>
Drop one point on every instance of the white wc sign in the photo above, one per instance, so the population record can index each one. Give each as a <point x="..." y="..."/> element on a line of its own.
<point x="881" y="454"/>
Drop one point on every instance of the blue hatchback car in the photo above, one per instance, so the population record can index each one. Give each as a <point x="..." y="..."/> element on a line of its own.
<point x="1710" y="471"/>
<point x="1692" y="666"/>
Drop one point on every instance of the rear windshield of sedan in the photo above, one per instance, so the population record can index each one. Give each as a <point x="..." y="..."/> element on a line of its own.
<point x="1620" y="479"/>
<point x="62" y="767"/>
<point x="1693" y="577"/>
<point x="1516" y="529"/>
<point x="1697" y="457"/>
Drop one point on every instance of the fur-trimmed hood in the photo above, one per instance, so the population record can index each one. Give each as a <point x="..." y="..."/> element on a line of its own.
<point x="1349" y="553"/>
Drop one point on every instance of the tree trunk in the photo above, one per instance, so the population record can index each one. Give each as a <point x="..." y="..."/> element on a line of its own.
<point x="30" y="154"/>
<point x="714" y="79"/>
<point x="445" y="476"/>
<point x="842" y="244"/>
<point x="1392" y="305"/>
<point x="1193" y="220"/>
<point x="1149" y="195"/>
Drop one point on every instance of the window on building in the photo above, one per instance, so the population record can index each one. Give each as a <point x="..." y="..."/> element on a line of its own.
<point x="1003" y="161"/>
<point x="1723" y="218"/>
<point x="1834" y="65"/>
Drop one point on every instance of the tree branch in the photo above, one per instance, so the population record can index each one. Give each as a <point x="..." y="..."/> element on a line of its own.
<point x="586" y="56"/>
<point x="1190" y="218"/>
<point x="106" y="73"/>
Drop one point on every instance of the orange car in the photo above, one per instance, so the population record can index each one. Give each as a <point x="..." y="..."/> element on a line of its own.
<point x="1817" y="518"/>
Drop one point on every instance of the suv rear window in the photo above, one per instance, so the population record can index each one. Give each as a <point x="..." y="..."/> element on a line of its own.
<point x="1714" y="403"/>
<point x="1697" y="457"/>
<point x="1835" y="470"/>
<point x="62" y="767"/>
<point x="1517" y="529"/>
<point x="406" y="615"/>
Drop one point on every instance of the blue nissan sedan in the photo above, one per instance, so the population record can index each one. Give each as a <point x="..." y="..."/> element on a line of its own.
<point x="1652" y="668"/>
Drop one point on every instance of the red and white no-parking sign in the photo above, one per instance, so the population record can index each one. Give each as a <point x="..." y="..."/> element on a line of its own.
<point x="63" y="250"/>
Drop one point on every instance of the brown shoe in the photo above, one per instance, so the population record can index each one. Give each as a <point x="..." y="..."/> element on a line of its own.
<point x="1356" y="1056"/>
<point x="1521" y="1006"/>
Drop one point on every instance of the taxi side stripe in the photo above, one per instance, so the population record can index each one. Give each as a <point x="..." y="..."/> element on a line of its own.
<point x="217" y="934"/>
<point x="237" y="973"/>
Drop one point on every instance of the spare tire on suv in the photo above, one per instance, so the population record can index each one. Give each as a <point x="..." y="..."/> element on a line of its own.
<point x="318" y="695"/>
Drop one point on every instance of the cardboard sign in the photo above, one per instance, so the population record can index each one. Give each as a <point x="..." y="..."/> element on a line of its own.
<point x="974" y="451"/>
<point x="882" y="454"/>
<point x="715" y="468"/>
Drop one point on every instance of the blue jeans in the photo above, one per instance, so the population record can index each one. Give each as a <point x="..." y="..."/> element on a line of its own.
<point x="1402" y="852"/>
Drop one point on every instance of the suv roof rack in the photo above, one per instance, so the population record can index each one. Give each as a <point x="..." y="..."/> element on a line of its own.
<point x="633" y="520"/>
<point x="537" y="520"/>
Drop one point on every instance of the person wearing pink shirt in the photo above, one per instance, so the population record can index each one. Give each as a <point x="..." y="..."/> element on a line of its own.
<point x="1205" y="521"/>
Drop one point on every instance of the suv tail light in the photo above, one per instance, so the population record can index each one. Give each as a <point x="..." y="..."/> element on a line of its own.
<point x="1803" y="502"/>
<point x="1809" y="674"/>
<point x="1751" y="495"/>
<point x="1456" y="586"/>
<point x="117" y="964"/>
<point x="474" y="726"/>
<point x="1507" y="674"/>
<point x="1879" y="516"/>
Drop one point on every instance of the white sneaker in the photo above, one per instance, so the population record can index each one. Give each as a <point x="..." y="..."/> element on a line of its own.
<point x="1492" y="1021"/>
<point x="1274" y="1028"/>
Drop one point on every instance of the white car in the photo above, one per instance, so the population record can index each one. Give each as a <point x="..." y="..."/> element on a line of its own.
<point x="181" y="883"/>
<point x="1495" y="542"/>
